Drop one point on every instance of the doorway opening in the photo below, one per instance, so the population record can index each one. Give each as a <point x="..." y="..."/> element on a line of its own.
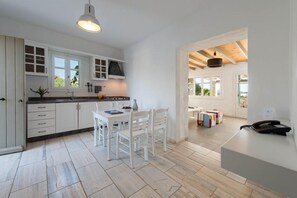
<point x="217" y="102"/>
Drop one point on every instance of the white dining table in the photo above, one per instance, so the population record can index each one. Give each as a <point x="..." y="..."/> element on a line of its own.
<point x="109" y="119"/>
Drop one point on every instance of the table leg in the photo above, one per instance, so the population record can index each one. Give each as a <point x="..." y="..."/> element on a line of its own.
<point x="108" y="140"/>
<point x="95" y="131"/>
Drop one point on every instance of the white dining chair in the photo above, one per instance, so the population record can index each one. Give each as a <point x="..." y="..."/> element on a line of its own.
<point x="101" y="127"/>
<point x="159" y="128"/>
<point x="139" y="126"/>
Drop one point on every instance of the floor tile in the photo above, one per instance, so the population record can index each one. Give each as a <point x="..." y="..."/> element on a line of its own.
<point x="224" y="183"/>
<point x="57" y="156"/>
<point x="191" y="183"/>
<point x="221" y="194"/>
<point x="35" y="191"/>
<point x="183" y="150"/>
<point x="159" y="181"/>
<point x="29" y="174"/>
<point x="161" y="162"/>
<point x="195" y="147"/>
<point x="147" y="191"/>
<point x="209" y="162"/>
<point x="108" y="192"/>
<point x="61" y="176"/>
<point x="183" y="161"/>
<point x="82" y="158"/>
<point x="9" y="165"/>
<point x="125" y="179"/>
<point x="93" y="178"/>
<point x="32" y="156"/>
<point x="54" y="144"/>
<point x="183" y="193"/>
<point x="74" y="144"/>
<point x="73" y="191"/>
<point x="86" y="137"/>
<point x="5" y="188"/>
<point x="261" y="191"/>
<point x="236" y="177"/>
<point x="101" y="157"/>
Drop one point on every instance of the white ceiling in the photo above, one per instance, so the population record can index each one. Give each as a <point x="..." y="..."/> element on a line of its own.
<point x="124" y="22"/>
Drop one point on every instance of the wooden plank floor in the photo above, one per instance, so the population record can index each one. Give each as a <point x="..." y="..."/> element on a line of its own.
<point x="72" y="167"/>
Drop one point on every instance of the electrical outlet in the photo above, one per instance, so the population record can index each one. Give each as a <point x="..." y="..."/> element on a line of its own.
<point x="269" y="113"/>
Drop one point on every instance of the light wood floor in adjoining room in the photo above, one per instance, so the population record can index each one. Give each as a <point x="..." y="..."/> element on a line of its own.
<point x="213" y="138"/>
<point x="72" y="167"/>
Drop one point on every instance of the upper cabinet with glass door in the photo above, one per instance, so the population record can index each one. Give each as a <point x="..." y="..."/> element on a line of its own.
<point x="36" y="59"/>
<point x="99" y="68"/>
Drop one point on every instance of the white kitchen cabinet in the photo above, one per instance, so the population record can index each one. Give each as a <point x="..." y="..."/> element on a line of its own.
<point x="41" y="119"/>
<point x="66" y="117"/>
<point x="85" y="114"/>
<point x="99" y="68"/>
<point x="12" y="124"/>
<point x="36" y="59"/>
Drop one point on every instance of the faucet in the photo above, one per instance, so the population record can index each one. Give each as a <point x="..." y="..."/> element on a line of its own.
<point x="72" y="94"/>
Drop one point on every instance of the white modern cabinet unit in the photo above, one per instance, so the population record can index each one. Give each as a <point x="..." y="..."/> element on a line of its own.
<point x="66" y="117"/>
<point x="85" y="114"/>
<point x="41" y="119"/>
<point x="12" y="130"/>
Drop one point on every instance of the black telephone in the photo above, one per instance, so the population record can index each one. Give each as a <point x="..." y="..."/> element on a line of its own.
<point x="269" y="126"/>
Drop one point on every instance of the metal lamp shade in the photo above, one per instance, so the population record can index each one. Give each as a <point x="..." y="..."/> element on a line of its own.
<point x="215" y="62"/>
<point x="88" y="21"/>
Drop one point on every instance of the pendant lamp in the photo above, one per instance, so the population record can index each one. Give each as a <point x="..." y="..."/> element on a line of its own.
<point x="88" y="21"/>
<point x="215" y="62"/>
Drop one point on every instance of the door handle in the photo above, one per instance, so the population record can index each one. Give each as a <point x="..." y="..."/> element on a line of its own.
<point x="3" y="99"/>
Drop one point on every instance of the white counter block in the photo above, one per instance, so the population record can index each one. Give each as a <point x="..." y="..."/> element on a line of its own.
<point x="270" y="160"/>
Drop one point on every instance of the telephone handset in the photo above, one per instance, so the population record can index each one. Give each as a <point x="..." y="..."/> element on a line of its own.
<point x="269" y="126"/>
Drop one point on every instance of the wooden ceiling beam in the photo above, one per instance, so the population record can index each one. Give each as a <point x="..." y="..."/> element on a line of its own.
<point x="203" y="53"/>
<point x="191" y="64"/>
<point x="192" y="68"/>
<point x="241" y="49"/>
<point x="225" y="55"/>
<point x="193" y="58"/>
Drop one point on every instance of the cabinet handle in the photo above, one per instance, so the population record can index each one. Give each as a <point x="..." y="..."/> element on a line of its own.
<point x="43" y="123"/>
<point x="2" y="99"/>
<point x="41" y="107"/>
<point x="41" y="131"/>
<point x="41" y="115"/>
<point x="20" y="100"/>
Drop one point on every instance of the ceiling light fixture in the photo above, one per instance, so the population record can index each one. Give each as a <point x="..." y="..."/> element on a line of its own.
<point x="88" y="21"/>
<point x="215" y="62"/>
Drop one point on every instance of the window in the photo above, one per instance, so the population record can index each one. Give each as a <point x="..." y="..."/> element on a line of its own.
<point x="243" y="88"/>
<point x="66" y="71"/>
<point x="208" y="86"/>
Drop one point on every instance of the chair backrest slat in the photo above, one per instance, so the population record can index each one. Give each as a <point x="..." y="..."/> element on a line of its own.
<point x="140" y="121"/>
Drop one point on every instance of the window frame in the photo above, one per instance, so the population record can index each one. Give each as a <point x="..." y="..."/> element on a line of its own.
<point x="68" y="58"/>
<point x="210" y="77"/>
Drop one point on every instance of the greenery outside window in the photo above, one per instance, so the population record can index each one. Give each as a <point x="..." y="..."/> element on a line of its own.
<point x="243" y="88"/>
<point x="207" y="86"/>
<point x="66" y="71"/>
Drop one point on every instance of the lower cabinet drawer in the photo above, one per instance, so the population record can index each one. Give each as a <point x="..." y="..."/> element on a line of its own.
<point x="41" y="123"/>
<point x="41" y="115"/>
<point x="41" y="131"/>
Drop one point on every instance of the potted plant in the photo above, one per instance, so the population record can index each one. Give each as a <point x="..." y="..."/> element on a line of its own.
<point x="40" y="91"/>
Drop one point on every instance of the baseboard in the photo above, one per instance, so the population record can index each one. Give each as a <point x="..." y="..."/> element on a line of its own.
<point x="11" y="150"/>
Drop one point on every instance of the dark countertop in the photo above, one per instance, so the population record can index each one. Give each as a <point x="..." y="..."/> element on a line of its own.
<point x="36" y="100"/>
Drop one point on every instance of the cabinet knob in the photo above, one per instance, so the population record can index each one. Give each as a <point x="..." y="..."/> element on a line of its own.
<point x="3" y="99"/>
<point x="20" y="100"/>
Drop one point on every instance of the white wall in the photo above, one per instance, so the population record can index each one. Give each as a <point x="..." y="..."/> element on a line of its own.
<point x="227" y="101"/>
<point x="294" y="66"/>
<point x="152" y="63"/>
<point x="42" y="35"/>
